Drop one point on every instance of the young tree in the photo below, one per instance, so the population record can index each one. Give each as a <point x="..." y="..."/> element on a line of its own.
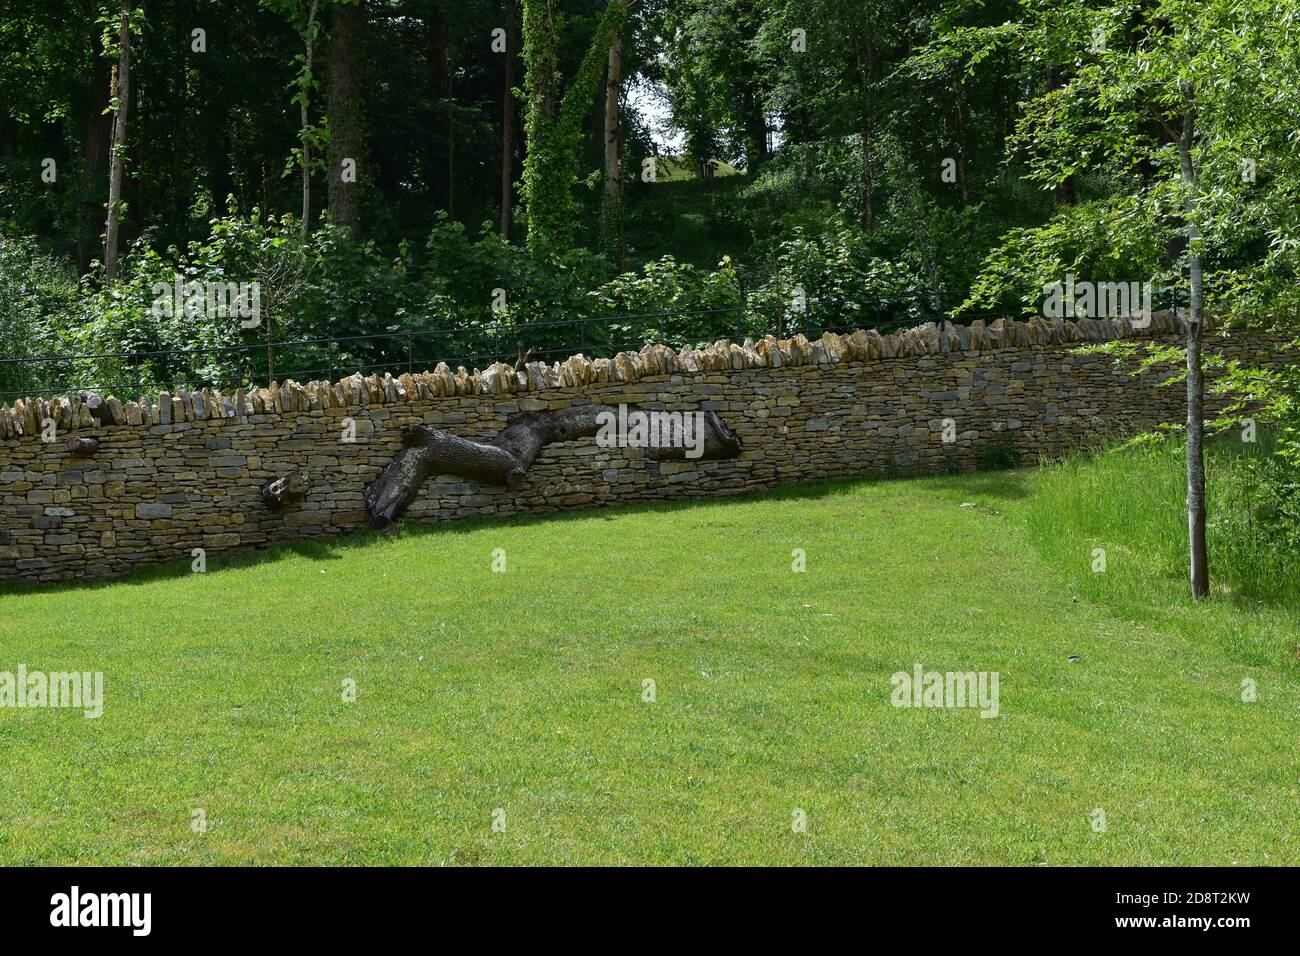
<point x="1157" y="103"/>
<point x="303" y="16"/>
<point x="303" y="96"/>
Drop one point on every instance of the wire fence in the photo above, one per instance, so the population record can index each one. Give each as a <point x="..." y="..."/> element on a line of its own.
<point x="474" y="345"/>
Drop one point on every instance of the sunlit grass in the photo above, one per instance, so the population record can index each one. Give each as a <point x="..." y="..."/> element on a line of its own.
<point x="523" y="692"/>
<point x="1130" y="503"/>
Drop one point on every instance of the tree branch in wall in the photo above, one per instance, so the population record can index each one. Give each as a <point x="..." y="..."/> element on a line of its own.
<point x="505" y="459"/>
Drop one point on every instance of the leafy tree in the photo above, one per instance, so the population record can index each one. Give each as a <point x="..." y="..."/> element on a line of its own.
<point x="1163" y="99"/>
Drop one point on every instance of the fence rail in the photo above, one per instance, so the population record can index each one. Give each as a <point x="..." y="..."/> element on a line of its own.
<point x="473" y="345"/>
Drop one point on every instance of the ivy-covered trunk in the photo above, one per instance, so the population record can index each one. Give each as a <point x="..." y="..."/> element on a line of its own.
<point x="554" y="136"/>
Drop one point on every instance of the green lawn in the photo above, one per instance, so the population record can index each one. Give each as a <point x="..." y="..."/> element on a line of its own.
<point x="523" y="691"/>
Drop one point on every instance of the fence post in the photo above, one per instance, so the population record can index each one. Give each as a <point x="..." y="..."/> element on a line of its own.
<point x="410" y="353"/>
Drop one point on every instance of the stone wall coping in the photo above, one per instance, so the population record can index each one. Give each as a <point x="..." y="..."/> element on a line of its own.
<point x="85" y="410"/>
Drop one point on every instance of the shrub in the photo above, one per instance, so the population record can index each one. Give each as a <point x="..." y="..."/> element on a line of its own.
<point x="843" y="283"/>
<point x="665" y="285"/>
<point x="33" y="288"/>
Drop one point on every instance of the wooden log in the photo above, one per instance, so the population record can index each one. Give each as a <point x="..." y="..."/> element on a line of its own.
<point x="719" y="442"/>
<point x="505" y="459"/>
<point x="285" y="491"/>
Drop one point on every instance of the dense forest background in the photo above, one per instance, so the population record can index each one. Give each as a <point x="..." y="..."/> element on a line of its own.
<point x="488" y="166"/>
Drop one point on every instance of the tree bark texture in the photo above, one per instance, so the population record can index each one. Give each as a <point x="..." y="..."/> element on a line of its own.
<point x="1196" y="511"/>
<point x="122" y="90"/>
<point x="347" y="131"/>
<point x="505" y="459"/>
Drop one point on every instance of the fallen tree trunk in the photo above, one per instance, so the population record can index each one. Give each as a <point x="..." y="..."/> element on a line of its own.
<point x="505" y="459"/>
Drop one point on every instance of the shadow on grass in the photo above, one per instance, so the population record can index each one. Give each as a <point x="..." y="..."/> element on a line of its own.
<point x="1010" y="485"/>
<point x="998" y="485"/>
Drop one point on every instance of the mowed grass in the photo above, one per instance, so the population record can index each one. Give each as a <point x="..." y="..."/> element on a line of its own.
<point x="523" y="692"/>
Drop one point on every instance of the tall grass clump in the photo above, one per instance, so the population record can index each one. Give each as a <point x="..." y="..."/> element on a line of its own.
<point x="1115" y="523"/>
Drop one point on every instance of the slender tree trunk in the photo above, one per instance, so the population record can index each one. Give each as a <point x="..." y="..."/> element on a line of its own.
<point x="755" y="130"/>
<point x="612" y="208"/>
<point x="1200" y="570"/>
<point x="451" y="137"/>
<point x="221" y="180"/>
<point x="99" y="125"/>
<point x="95" y="154"/>
<point x="508" y="122"/>
<point x="121" y="84"/>
<point x="436" y="61"/>
<point x="866" y="73"/>
<point x="961" y="144"/>
<point x="613" y="83"/>
<point x="868" y="203"/>
<point x="347" y="135"/>
<point x="306" y="136"/>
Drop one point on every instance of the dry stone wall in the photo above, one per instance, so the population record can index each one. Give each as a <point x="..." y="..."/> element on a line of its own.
<point x="181" y="471"/>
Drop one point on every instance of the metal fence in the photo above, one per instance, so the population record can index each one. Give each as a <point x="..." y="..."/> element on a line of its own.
<point x="471" y="345"/>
